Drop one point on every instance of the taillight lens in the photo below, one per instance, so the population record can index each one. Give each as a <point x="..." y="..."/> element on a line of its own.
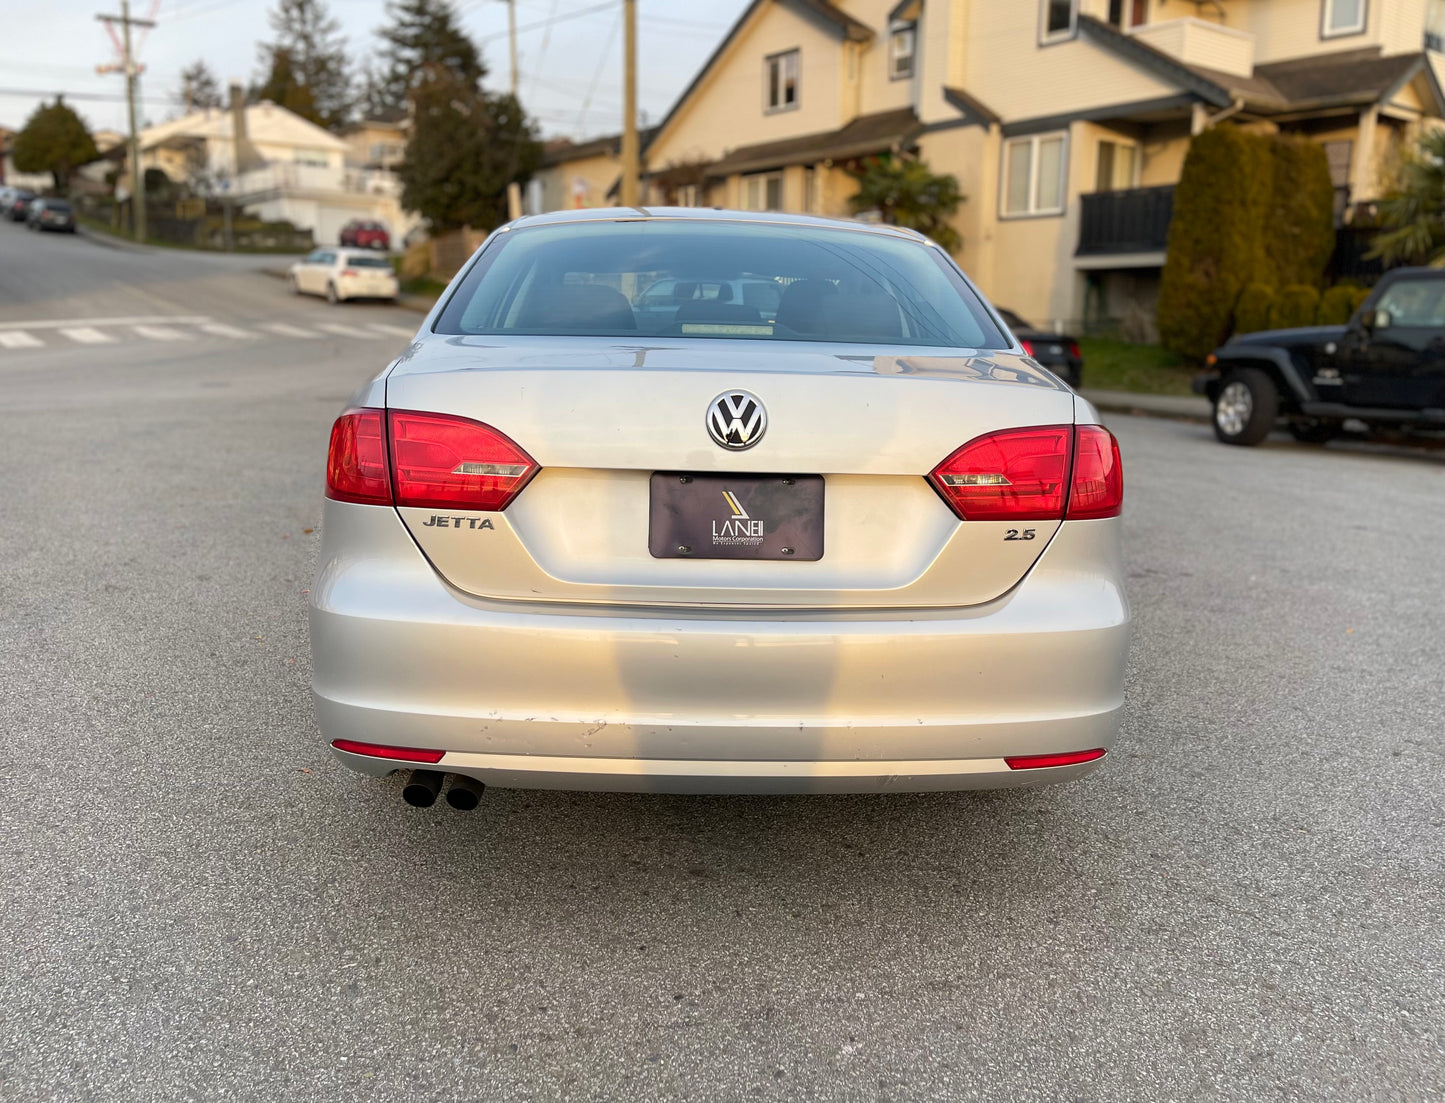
<point x="1030" y="475"/>
<point x="448" y="462"/>
<point x="1011" y="475"/>
<point x="350" y="272"/>
<point x="1074" y="350"/>
<point x="1028" y="347"/>
<point x="1098" y="483"/>
<point x="356" y="463"/>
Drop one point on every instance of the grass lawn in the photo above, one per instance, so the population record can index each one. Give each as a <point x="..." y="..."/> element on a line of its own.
<point x="1143" y="369"/>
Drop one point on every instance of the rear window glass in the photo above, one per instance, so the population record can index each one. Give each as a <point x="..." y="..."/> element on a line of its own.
<point x="56" y="205"/>
<point x="682" y="278"/>
<point x="368" y="262"/>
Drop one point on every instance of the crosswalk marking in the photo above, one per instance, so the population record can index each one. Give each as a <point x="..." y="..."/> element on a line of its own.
<point x="281" y="329"/>
<point x="87" y="335"/>
<point x="220" y="329"/>
<point x="397" y="331"/>
<point x="341" y="330"/>
<point x="18" y="339"/>
<point x="161" y="333"/>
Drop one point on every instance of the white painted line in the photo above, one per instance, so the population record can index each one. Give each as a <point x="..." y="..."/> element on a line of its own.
<point x="220" y="329"/>
<point x="398" y="331"/>
<point x="281" y="329"/>
<point x="87" y="335"/>
<point x="18" y="339"/>
<point x="341" y="330"/>
<point x="62" y="323"/>
<point x="161" y="333"/>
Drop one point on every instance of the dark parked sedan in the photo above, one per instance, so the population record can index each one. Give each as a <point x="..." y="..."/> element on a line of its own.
<point x="51" y="214"/>
<point x="1055" y="351"/>
<point x="18" y="204"/>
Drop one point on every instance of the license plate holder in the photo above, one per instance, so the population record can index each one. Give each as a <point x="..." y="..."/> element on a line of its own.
<point x="709" y="516"/>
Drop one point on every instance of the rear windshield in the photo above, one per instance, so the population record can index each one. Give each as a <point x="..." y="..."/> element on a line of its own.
<point x="368" y="262"/>
<point x="57" y="205"/>
<point x="682" y="278"/>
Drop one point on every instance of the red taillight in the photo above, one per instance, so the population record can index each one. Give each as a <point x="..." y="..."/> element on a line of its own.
<point x="1074" y="350"/>
<point x="1029" y="474"/>
<point x="449" y="462"/>
<point x="1011" y="475"/>
<point x="1098" y="483"/>
<point x="356" y="464"/>
<point x="1028" y="347"/>
<point x="377" y="750"/>
<point x="1044" y="761"/>
<point x="350" y="272"/>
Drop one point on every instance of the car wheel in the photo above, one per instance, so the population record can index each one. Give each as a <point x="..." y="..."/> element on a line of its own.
<point x="295" y="287"/>
<point x="331" y="296"/>
<point x="1314" y="430"/>
<point x="1246" y="407"/>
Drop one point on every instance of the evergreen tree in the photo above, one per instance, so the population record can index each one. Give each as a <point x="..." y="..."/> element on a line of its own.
<point x="424" y="36"/>
<point x="199" y="87"/>
<point x="54" y="140"/>
<point x="310" y="53"/>
<point x="466" y="147"/>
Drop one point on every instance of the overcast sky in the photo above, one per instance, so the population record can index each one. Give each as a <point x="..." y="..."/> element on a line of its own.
<point x="570" y="58"/>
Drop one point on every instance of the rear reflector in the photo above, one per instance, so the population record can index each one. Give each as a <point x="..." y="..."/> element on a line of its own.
<point x="1044" y="761"/>
<point x="1098" y="484"/>
<point x="1011" y="475"/>
<point x="377" y="750"/>
<point x="1029" y="475"/>
<point x="447" y="462"/>
<point x="356" y="463"/>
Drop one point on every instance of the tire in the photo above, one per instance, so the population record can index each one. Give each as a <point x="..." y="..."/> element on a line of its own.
<point x="295" y="287"/>
<point x="1245" y="408"/>
<point x="1315" y="431"/>
<point x="331" y="296"/>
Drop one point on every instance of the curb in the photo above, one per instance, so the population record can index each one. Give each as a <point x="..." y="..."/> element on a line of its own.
<point x="1178" y="407"/>
<point x="110" y="241"/>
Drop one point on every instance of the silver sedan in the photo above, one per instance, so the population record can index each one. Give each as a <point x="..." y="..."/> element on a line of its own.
<point x="856" y="542"/>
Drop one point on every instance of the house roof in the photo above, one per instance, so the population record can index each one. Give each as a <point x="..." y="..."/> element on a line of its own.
<point x="563" y="150"/>
<point x="265" y="122"/>
<point x="865" y="134"/>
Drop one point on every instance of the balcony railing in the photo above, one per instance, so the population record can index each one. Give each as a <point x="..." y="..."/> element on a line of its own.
<point x="1132" y="221"/>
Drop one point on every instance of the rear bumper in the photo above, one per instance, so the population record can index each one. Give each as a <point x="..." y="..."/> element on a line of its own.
<point x="680" y="700"/>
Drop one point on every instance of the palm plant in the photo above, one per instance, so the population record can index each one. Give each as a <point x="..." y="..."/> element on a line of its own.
<point x="1413" y="214"/>
<point x="905" y="192"/>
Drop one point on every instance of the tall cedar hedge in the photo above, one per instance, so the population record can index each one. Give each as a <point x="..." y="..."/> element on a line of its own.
<point x="1249" y="209"/>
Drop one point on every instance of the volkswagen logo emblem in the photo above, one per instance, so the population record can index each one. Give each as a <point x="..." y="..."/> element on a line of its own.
<point x="736" y="420"/>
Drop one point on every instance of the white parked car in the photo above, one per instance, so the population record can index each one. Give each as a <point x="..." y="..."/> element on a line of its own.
<point x="342" y="274"/>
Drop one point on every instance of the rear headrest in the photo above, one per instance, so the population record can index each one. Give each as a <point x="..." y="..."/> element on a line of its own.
<point x="801" y="307"/>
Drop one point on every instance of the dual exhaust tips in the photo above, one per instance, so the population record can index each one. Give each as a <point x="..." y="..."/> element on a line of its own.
<point x="422" y="787"/>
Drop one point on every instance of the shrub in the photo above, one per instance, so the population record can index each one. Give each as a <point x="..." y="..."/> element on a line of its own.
<point x="1337" y="304"/>
<point x="1252" y="313"/>
<point x="1297" y="305"/>
<point x="1214" y="240"/>
<point x="1298" y="232"/>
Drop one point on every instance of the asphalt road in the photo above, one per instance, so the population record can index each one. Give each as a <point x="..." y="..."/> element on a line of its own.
<point x="1247" y="903"/>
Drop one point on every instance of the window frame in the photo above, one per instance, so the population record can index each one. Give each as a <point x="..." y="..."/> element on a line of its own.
<point x="780" y="59"/>
<point x="1035" y="141"/>
<point x="1326" y="32"/>
<point x="1051" y="38"/>
<point x="1137" y="166"/>
<point x="763" y="179"/>
<point x="895" y="32"/>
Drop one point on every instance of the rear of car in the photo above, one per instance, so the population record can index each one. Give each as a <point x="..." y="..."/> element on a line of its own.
<point x="861" y="545"/>
<point x="1058" y="352"/>
<point x="364" y="276"/>
<point x="19" y="204"/>
<point x="53" y="214"/>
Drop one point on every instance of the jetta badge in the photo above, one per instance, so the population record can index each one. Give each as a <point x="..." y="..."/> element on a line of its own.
<point x="736" y="420"/>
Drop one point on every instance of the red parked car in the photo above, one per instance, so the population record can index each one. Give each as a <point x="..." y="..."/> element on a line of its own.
<point x="365" y="235"/>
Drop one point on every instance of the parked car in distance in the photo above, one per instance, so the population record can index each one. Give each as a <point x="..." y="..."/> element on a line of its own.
<point x="18" y="205"/>
<point x="1055" y="351"/>
<point x="51" y="214"/>
<point x="342" y="274"/>
<point x="863" y="546"/>
<point x="1385" y="367"/>
<point x="669" y="299"/>
<point x="360" y="234"/>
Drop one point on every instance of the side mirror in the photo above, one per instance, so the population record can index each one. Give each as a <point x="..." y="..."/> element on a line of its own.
<point x="1374" y="320"/>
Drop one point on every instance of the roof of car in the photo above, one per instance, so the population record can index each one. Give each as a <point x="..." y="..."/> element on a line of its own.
<point x="707" y="214"/>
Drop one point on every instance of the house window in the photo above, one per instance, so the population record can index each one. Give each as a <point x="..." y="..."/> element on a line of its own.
<point x="901" y="46"/>
<point x="763" y="192"/>
<point x="1435" y="25"/>
<point x="1058" y="18"/>
<point x="780" y="78"/>
<point x="1343" y="17"/>
<point x="687" y="195"/>
<point x="1128" y="14"/>
<point x="1117" y="168"/>
<point x="1033" y="169"/>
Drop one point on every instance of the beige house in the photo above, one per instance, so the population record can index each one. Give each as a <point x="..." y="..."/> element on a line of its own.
<point x="1065" y="121"/>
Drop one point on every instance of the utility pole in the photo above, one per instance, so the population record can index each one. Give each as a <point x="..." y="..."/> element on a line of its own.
<point x="512" y="38"/>
<point x="631" y="158"/>
<point x="132" y="73"/>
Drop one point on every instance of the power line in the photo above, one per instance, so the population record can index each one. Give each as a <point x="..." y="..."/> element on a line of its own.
<point x="611" y="5"/>
<point x="102" y="97"/>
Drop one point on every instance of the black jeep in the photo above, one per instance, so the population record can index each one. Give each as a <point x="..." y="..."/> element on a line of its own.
<point x="1385" y="368"/>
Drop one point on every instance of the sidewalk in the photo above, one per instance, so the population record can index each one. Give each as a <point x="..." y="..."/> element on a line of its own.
<point x="1192" y="407"/>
